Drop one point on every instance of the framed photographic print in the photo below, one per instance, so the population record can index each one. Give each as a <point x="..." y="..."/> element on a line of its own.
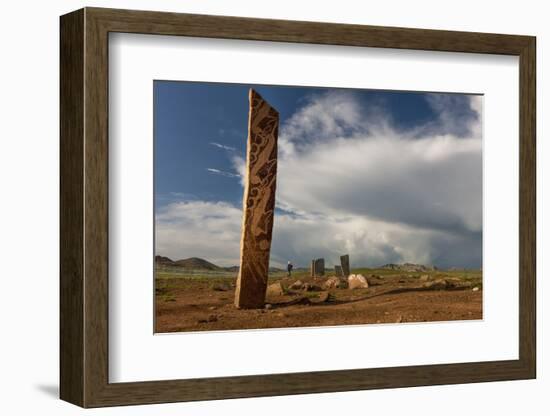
<point x="255" y="207"/>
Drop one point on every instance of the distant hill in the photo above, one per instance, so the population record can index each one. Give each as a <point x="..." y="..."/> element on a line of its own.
<point x="408" y="267"/>
<point x="194" y="263"/>
<point x="163" y="261"/>
<point x="236" y="269"/>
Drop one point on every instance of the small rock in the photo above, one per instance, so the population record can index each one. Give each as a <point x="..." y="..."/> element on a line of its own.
<point x="323" y="297"/>
<point x="268" y="306"/>
<point x="451" y="284"/>
<point x="332" y="283"/>
<point x="275" y="289"/>
<point x="440" y="284"/>
<point x="425" y="277"/>
<point x="312" y="287"/>
<point x="297" y="285"/>
<point x="357" y="281"/>
<point x="475" y="289"/>
<point x="212" y="308"/>
<point x="399" y="320"/>
<point x="221" y="287"/>
<point x="373" y="280"/>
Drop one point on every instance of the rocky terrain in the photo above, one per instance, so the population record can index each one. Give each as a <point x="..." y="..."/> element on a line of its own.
<point x="368" y="296"/>
<point x="408" y="267"/>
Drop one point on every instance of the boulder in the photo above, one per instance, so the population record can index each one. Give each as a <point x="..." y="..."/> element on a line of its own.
<point x="311" y="287"/>
<point x="334" y="283"/>
<point x="323" y="297"/>
<point x="457" y="284"/>
<point x="275" y="289"/>
<point x="297" y="285"/>
<point x="357" y="281"/>
<point x="440" y="284"/>
<point x="425" y="277"/>
<point x="373" y="280"/>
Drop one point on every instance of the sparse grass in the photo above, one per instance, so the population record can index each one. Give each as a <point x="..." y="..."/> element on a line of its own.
<point x="195" y="275"/>
<point x="165" y="281"/>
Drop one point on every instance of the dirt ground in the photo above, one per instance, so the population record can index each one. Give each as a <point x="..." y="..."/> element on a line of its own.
<point x="206" y="304"/>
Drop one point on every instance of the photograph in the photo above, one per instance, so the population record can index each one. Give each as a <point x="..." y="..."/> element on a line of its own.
<point x="298" y="206"/>
<point x="242" y="192"/>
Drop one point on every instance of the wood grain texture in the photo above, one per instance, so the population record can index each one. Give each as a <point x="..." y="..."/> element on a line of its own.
<point x="71" y="219"/>
<point x="96" y="213"/>
<point x="527" y="208"/>
<point x="258" y="203"/>
<point x="84" y="207"/>
<point x="227" y="27"/>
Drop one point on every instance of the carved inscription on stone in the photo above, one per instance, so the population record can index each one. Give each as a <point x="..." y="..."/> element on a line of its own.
<point x="258" y="203"/>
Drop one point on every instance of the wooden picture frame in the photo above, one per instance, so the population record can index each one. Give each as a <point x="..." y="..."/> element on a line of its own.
<point x="84" y="207"/>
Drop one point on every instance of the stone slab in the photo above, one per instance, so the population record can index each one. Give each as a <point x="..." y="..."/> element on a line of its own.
<point x="258" y="203"/>
<point x="344" y="262"/>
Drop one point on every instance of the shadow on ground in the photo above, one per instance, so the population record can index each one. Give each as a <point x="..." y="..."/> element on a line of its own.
<point x="51" y="390"/>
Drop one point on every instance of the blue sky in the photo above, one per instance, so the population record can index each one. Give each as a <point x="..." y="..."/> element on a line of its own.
<point x="329" y="139"/>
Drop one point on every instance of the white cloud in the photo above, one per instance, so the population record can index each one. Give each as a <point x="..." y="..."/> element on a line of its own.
<point x="331" y="116"/>
<point x="239" y="165"/>
<point x="222" y="173"/>
<point x="433" y="182"/>
<point x="223" y="146"/>
<point x="349" y="181"/>
<point x="455" y="115"/>
<point x="204" y="229"/>
<point x="212" y="230"/>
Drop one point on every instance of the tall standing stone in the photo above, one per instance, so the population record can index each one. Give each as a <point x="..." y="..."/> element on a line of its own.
<point x="320" y="267"/>
<point x="344" y="261"/>
<point x="258" y="203"/>
<point x="317" y="267"/>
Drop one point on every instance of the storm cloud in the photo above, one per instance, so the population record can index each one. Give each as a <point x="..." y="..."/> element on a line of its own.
<point x="350" y="180"/>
